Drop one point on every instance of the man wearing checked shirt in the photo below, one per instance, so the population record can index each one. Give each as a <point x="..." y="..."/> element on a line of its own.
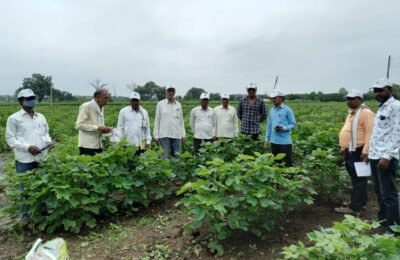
<point x="384" y="153"/>
<point x="279" y="125"/>
<point x="251" y="111"/>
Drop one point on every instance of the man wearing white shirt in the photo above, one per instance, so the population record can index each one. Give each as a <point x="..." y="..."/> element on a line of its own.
<point x="169" y="130"/>
<point x="134" y="124"/>
<point x="202" y="122"/>
<point x="226" y="120"/>
<point x="27" y="132"/>
<point x="90" y="123"/>
<point x="384" y="152"/>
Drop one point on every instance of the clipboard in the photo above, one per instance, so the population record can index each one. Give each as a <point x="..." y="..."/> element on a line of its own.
<point x="362" y="169"/>
<point x="48" y="146"/>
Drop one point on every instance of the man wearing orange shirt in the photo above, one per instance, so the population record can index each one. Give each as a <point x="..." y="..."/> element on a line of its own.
<point x="354" y="144"/>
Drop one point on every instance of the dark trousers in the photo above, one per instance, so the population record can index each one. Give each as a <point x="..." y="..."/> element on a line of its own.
<point x="197" y="143"/>
<point x="384" y="182"/>
<point x="359" y="192"/>
<point x="283" y="148"/>
<point x="21" y="168"/>
<point x="89" y="151"/>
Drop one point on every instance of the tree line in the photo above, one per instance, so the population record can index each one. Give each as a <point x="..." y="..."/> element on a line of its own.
<point x="43" y="88"/>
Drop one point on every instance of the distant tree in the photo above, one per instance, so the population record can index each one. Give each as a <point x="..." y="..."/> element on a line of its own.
<point x="342" y="91"/>
<point x="96" y="84"/>
<point x="150" y="91"/>
<point x="194" y="93"/>
<point x="215" y="96"/>
<point x="39" y="84"/>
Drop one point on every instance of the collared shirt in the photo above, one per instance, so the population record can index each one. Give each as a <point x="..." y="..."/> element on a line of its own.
<point x="226" y="123"/>
<point x="280" y="116"/>
<point x="23" y="131"/>
<point x="202" y="122"/>
<point x="251" y="116"/>
<point x="135" y="125"/>
<point x="385" y="138"/>
<point x="89" y="119"/>
<point x="169" y="120"/>
<point x="364" y="129"/>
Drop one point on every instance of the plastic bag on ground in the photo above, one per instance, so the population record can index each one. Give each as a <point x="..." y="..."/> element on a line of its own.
<point x="55" y="249"/>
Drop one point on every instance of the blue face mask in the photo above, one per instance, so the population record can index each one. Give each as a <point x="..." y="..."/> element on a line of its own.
<point x="29" y="103"/>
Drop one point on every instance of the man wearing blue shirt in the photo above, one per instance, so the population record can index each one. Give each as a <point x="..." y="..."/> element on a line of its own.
<point x="280" y="123"/>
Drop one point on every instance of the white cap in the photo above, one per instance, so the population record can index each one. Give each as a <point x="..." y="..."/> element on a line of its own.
<point x="354" y="93"/>
<point x="170" y="87"/>
<point x="225" y="95"/>
<point x="204" y="96"/>
<point x="134" y="95"/>
<point x="26" y="93"/>
<point x="276" y="93"/>
<point x="251" y="85"/>
<point x="381" y="83"/>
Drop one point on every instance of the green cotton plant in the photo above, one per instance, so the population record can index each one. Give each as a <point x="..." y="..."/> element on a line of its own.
<point x="350" y="239"/>
<point x="77" y="189"/>
<point x="326" y="176"/>
<point x="248" y="194"/>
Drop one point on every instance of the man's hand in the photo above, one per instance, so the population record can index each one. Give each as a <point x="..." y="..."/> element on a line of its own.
<point x="342" y="152"/>
<point x="104" y="129"/>
<point x="363" y="156"/>
<point x="157" y="140"/>
<point x="34" y="150"/>
<point x="383" y="164"/>
<point x="266" y="145"/>
<point x="183" y="139"/>
<point x="279" y="128"/>
<point x="147" y="146"/>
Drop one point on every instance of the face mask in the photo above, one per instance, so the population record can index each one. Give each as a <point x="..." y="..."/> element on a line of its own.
<point x="29" y="103"/>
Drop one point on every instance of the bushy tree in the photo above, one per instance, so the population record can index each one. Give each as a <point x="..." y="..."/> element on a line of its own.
<point x="194" y="93"/>
<point x="39" y="84"/>
<point x="150" y="90"/>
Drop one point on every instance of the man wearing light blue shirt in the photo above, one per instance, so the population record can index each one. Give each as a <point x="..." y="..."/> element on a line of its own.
<point x="279" y="125"/>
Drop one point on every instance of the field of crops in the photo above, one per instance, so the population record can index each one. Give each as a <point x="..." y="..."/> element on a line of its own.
<point x="232" y="199"/>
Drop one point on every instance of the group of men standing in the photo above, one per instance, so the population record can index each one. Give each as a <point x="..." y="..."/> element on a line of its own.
<point x="364" y="136"/>
<point x="375" y="139"/>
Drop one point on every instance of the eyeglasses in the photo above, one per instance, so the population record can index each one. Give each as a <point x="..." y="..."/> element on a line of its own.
<point x="350" y="98"/>
<point x="251" y="89"/>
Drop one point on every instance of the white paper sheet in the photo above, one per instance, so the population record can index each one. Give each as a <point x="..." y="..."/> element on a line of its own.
<point x="362" y="169"/>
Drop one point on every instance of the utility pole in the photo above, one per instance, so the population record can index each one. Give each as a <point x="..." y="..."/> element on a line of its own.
<point x="388" y="68"/>
<point x="276" y="81"/>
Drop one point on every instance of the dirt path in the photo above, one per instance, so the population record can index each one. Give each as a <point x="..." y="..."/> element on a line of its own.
<point x="156" y="233"/>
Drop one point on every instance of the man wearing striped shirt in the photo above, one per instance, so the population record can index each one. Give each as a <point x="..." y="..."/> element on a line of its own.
<point x="169" y="130"/>
<point x="202" y="122"/>
<point x="354" y="144"/>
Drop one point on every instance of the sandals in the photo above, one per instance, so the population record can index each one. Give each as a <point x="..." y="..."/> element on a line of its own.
<point x="346" y="210"/>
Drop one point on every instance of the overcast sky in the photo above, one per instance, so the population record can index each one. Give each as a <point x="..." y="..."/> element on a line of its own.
<point x="313" y="45"/>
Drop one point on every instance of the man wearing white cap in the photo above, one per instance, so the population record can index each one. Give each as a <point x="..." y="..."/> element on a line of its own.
<point x="90" y="123"/>
<point x="226" y="120"/>
<point x="354" y="144"/>
<point x="134" y="124"/>
<point x="251" y="111"/>
<point x="280" y="123"/>
<point x="202" y="122"/>
<point x="27" y="133"/>
<point x="383" y="152"/>
<point x="169" y="128"/>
